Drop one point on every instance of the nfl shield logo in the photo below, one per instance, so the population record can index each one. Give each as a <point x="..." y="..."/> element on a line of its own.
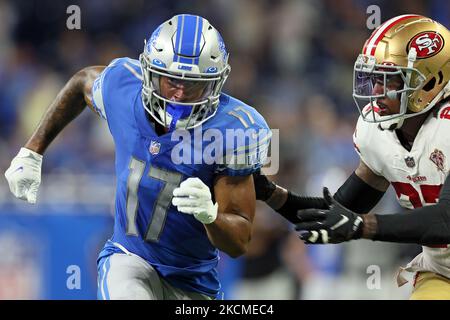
<point x="154" y="147"/>
<point x="410" y="163"/>
<point x="438" y="159"/>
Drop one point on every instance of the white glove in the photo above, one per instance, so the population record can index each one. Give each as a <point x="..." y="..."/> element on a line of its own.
<point x="193" y="197"/>
<point x="24" y="175"/>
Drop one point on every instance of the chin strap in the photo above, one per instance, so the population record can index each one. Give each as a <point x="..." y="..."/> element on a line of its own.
<point x="391" y="125"/>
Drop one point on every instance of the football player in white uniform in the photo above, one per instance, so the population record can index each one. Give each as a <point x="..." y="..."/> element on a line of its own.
<point x="401" y="87"/>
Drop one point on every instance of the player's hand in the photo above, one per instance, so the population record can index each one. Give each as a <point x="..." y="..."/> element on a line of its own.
<point x="194" y="197"/>
<point x="24" y="175"/>
<point x="336" y="225"/>
<point x="263" y="186"/>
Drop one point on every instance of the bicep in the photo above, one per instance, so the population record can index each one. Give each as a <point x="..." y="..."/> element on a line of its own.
<point x="369" y="177"/>
<point x="236" y="195"/>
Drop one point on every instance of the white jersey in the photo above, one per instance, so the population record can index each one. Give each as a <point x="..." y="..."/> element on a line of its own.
<point x="416" y="176"/>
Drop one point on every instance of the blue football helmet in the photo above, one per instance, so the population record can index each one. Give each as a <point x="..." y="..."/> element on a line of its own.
<point x="189" y="51"/>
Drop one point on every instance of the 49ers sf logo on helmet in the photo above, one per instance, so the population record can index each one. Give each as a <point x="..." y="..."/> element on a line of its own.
<point x="427" y="44"/>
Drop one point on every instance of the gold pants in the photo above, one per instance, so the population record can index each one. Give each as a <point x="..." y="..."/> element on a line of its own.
<point x="430" y="286"/>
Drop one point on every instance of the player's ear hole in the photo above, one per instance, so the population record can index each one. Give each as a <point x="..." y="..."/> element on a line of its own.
<point x="441" y="77"/>
<point x="430" y="84"/>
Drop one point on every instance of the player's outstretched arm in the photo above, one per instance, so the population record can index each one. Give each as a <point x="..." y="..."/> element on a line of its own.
<point x="284" y="201"/>
<point x="24" y="173"/>
<point x="360" y="193"/>
<point x="428" y="225"/>
<point x="68" y="104"/>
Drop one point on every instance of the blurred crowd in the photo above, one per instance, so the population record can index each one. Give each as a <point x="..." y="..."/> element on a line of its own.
<point x="291" y="59"/>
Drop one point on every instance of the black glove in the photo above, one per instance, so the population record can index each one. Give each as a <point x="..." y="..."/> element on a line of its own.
<point x="263" y="186"/>
<point x="336" y="225"/>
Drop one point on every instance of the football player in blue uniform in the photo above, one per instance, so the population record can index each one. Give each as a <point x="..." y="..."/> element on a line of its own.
<point x="178" y="199"/>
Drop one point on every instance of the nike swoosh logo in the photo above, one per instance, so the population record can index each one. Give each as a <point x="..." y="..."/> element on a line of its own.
<point x="19" y="169"/>
<point x="344" y="220"/>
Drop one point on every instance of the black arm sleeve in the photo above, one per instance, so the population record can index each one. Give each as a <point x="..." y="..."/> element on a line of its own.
<point x="427" y="225"/>
<point x="354" y="194"/>
<point x="295" y="202"/>
<point x="357" y="195"/>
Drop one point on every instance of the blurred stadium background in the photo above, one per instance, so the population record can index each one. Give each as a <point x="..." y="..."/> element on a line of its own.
<point x="291" y="59"/>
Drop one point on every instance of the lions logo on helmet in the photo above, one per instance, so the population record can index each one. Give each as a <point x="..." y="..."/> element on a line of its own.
<point x="187" y="49"/>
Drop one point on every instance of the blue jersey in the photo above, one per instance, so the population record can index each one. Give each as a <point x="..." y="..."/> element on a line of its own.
<point x="149" y="167"/>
